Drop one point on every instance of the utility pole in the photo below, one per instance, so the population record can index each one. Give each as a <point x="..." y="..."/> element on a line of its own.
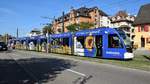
<point x="47" y="46"/>
<point x="6" y="38"/>
<point x="17" y="32"/>
<point x="63" y="22"/>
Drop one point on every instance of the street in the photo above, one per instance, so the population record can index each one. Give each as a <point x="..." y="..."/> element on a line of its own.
<point x="26" y="67"/>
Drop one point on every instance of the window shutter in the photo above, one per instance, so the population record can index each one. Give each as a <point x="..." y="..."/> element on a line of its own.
<point x="139" y="29"/>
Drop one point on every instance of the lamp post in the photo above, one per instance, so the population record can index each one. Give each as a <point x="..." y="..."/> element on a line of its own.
<point x="47" y="46"/>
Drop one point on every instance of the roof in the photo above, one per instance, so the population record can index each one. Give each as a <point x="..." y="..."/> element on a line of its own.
<point x="82" y="12"/>
<point x="124" y="26"/>
<point x="143" y="16"/>
<point x="96" y="31"/>
<point x="62" y="35"/>
<point x="122" y="14"/>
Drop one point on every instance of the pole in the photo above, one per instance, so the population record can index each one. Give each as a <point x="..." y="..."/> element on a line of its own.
<point x="6" y="38"/>
<point x="17" y="33"/>
<point x="63" y="21"/>
<point x="47" y="48"/>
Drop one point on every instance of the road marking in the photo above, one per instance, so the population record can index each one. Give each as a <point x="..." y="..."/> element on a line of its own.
<point x="76" y="72"/>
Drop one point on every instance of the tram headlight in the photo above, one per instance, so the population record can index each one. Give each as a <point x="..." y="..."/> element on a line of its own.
<point x="128" y="55"/>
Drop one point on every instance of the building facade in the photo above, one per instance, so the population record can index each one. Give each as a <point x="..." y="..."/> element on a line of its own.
<point x="83" y="14"/>
<point x="142" y="28"/>
<point x="124" y="21"/>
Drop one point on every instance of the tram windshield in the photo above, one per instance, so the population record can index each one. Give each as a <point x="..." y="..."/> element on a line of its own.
<point x="126" y="38"/>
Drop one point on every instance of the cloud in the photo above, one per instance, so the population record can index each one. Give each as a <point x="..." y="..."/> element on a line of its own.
<point x="7" y="11"/>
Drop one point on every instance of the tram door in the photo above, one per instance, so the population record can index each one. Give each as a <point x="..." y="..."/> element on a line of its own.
<point x="99" y="45"/>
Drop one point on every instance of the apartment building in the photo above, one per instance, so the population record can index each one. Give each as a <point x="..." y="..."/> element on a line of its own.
<point x="124" y="21"/>
<point x="92" y="15"/>
<point x="142" y="28"/>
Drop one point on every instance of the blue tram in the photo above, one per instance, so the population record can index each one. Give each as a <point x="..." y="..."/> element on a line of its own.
<point x="99" y="42"/>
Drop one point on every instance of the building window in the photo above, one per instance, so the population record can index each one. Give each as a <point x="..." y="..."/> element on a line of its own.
<point x="146" y="28"/>
<point x="95" y="15"/>
<point x="95" y="11"/>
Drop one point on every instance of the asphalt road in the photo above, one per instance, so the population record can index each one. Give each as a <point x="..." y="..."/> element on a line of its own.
<point x="25" y="67"/>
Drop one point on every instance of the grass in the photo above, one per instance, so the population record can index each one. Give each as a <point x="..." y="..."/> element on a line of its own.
<point x="141" y="62"/>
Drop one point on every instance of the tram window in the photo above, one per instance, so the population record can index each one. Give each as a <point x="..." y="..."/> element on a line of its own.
<point x="43" y="41"/>
<point x="80" y="42"/>
<point x="65" y="41"/>
<point x="114" y="41"/>
<point x="34" y="42"/>
<point x="56" y="41"/>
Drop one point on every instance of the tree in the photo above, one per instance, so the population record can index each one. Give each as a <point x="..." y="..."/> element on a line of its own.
<point x="85" y="25"/>
<point x="81" y="26"/>
<point x="73" y="27"/>
<point x="47" y="28"/>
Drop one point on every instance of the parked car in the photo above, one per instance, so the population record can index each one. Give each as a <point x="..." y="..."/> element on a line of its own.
<point x="3" y="46"/>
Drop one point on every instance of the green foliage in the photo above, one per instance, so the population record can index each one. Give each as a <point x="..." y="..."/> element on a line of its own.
<point x="85" y="25"/>
<point x="73" y="27"/>
<point x="81" y="26"/>
<point x="47" y="28"/>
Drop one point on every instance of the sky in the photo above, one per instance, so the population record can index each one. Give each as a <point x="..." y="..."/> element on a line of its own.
<point x="27" y="14"/>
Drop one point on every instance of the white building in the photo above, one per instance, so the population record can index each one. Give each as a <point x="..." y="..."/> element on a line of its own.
<point x="34" y="32"/>
<point x="124" y="21"/>
<point x="105" y="21"/>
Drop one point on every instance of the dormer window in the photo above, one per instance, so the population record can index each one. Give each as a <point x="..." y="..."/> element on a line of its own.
<point x="128" y="18"/>
<point x="118" y="17"/>
<point x="132" y="18"/>
<point x="113" y="19"/>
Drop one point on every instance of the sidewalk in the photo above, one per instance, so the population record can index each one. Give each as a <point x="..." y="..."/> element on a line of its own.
<point x="141" y="51"/>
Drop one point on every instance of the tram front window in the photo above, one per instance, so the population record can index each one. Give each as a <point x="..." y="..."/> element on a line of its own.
<point x="114" y="41"/>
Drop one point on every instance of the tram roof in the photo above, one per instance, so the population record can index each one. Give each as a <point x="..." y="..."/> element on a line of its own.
<point x="96" y="31"/>
<point x="62" y="35"/>
<point x="38" y="37"/>
<point x="22" y="38"/>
